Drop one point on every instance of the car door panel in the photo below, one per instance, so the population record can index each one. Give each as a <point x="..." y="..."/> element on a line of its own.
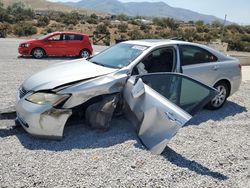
<point x="55" y="45"/>
<point x="200" y="64"/>
<point x="205" y="72"/>
<point x="157" y="117"/>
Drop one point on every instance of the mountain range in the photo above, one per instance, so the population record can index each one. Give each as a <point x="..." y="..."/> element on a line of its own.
<point x="147" y="9"/>
<point x="47" y="5"/>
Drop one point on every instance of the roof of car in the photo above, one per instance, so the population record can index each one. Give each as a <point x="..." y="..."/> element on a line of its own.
<point x="159" y="42"/>
<point x="72" y="33"/>
<point x="156" y="42"/>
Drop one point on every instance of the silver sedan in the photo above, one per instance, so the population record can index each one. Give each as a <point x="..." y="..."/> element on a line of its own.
<point x="158" y="84"/>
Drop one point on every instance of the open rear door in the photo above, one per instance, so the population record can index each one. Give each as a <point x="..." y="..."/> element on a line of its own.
<point x="160" y="104"/>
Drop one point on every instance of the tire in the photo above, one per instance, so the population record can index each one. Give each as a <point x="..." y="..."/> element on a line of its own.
<point x="221" y="98"/>
<point x="38" y="53"/>
<point x="84" y="53"/>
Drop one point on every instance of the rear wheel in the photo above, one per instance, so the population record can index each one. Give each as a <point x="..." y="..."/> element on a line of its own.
<point x="38" y="53"/>
<point x="84" y="53"/>
<point x="219" y="100"/>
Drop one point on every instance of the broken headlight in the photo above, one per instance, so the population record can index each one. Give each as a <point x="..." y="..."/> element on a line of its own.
<point x="47" y="98"/>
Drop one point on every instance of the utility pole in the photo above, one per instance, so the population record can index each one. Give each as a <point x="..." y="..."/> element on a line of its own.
<point x="223" y="28"/>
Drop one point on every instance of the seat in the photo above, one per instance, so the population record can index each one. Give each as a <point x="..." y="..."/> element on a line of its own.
<point x="199" y="57"/>
<point x="67" y="37"/>
<point x="164" y="63"/>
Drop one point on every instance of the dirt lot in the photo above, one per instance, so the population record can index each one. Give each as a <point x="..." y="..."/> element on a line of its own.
<point x="213" y="150"/>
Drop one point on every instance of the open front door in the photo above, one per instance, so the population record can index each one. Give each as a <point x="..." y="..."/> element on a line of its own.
<point x="160" y="104"/>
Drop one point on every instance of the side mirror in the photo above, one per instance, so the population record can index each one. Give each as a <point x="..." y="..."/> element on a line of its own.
<point x="138" y="89"/>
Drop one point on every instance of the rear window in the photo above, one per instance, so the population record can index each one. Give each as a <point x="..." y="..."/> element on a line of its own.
<point x="195" y="55"/>
<point x="73" y="37"/>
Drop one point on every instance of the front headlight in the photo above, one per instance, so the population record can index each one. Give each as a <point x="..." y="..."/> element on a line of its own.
<point x="46" y="98"/>
<point x="26" y="45"/>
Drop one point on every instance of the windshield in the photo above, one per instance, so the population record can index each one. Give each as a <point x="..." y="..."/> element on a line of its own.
<point x="119" y="55"/>
<point x="44" y="36"/>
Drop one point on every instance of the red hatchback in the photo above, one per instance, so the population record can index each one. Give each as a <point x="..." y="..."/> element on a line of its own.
<point x="57" y="44"/>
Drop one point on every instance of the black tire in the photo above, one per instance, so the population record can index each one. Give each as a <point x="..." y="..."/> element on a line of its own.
<point x="38" y="53"/>
<point x="84" y="53"/>
<point x="221" y="98"/>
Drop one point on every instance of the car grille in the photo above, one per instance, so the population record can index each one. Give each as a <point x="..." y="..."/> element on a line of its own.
<point x="22" y="92"/>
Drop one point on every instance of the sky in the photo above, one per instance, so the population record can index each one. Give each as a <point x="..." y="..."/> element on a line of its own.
<point x="237" y="10"/>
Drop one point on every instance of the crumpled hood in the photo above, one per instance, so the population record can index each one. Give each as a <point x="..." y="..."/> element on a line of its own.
<point x="63" y="73"/>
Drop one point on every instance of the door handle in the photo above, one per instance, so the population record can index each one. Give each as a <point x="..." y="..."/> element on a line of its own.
<point x="171" y="117"/>
<point x="215" y="67"/>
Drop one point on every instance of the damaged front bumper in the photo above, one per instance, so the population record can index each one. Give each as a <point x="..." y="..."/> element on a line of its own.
<point x="42" y="120"/>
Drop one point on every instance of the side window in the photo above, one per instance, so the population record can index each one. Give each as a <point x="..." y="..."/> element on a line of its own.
<point x="55" y="38"/>
<point x="183" y="91"/>
<point x="78" y="37"/>
<point x="190" y="55"/>
<point x="160" y="60"/>
<point x="72" y="37"/>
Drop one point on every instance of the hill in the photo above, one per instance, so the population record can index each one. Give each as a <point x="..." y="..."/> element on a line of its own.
<point x="48" y="6"/>
<point x="148" y="9"/>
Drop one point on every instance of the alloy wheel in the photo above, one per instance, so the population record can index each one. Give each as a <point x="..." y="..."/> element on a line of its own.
<point x="84" y="54"/>
<point x="38" y="53"/>
<point x="221" y="97"/>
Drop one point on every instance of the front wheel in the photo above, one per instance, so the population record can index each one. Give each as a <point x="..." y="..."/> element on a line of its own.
<point x="219" y="100"/>
<point x="84" y="54"/>
<point x="38" y="53"/>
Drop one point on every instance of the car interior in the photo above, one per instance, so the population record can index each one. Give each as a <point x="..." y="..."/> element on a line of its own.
<point x="161" y="60"/>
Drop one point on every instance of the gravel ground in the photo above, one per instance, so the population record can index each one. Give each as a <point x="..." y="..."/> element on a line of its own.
<point x="213" y="150"/>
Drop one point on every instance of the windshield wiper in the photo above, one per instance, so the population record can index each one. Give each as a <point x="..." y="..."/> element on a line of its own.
<point x="97" y="63"/>
<point x="104" y="65"/>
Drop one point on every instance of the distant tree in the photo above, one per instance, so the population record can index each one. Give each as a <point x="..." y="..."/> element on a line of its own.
<point x="24" y="29"/>
<point x="191" y="22"/>
<point x="94" y="16"/>
<point x="122" y="17"/>
<point x="189" y="34"/>
<point x="19" y="12"/>
<point x="146" y="28"/>
<point x="199" y="23"/>
<point x="101" y="29"/>
<point x="123" y="27"/>
<point x="4" y="17"/>
<point x="171" y="23"/>
<point x="135" y="34"/>
<point x="43" y="21"/>
<point x="71" y="18"/>
<point x="166" y="22"/>
<point x="234" y="28"/>
<point x="216" y="23"/>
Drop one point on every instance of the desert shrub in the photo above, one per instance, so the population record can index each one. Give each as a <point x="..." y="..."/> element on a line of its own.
<point x="54" y="27"/>
<point x="145" y="28"/>
<point x="19" y="12"/>
<point x="4" y="16"/>
<point x="101" y="29"/>
<point x="43" y="21"/>
<point x="122" y="17"/>
<point x="123" y="27"/>
<point x="91" y="21"/>
<point x="135" y="34"/>
<point x="134" y="22"/>
<point x="24" y="29"/>
<point x="94" y="16"/>
<point x="216" y="23"/>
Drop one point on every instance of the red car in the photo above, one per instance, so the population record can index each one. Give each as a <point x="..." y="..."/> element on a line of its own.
<point x="57" y="44"/>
